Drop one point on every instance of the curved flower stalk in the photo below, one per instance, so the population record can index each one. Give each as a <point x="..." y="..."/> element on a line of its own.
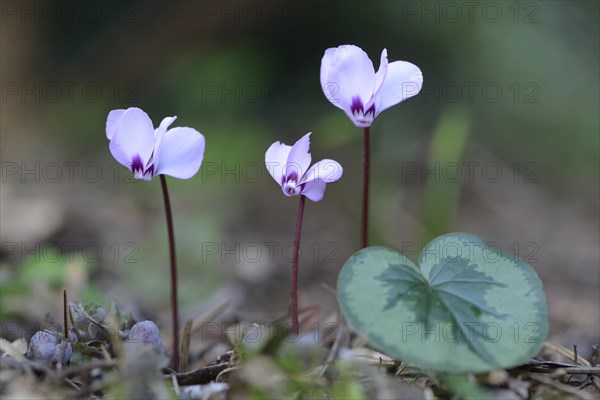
<point x="350" y="83"/>
<point x="148" y="152"/>
<point x="290" y="167"/>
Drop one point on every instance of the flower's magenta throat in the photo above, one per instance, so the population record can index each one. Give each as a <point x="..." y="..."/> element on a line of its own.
<point x="362" y="117"/>
<point x="137" y="167"/>
<point x="291" y="189"/>
<point x="290" y="184"/>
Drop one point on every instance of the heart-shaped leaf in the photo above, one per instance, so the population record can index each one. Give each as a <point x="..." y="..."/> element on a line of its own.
<point x="469" y="308"/>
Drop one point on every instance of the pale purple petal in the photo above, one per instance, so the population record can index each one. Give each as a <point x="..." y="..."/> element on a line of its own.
<point x="347" y="74"/>
<point x="403" y="80"/>
<point x="111" y="122"/>
<point x="325" y="170"/>
<point x="276" y="160"/>
<point x="363" y="114"/>
<point x="314" y="190"/>
<point x="299" y="158"/>
<point x="164" y="125"/>
<point x="159" y="132"/>
<point x="379" y="77"/>
<point x="180" y="154"/>
<point x="133" y="138"/>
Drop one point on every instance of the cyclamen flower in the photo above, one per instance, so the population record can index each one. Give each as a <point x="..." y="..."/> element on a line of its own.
<point x="349" y="82"/>
<point x="289" y="166"/>
<point x="148" y="152"/>
<point x="147" y="334"/>
<point x="46" y="347"/>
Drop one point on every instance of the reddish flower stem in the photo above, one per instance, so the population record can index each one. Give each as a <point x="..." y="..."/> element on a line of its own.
<point x="294" y="295"/>
<point x="364" y="232"/>
<point x="65" y="314"/>
<point x="174" y="308"/>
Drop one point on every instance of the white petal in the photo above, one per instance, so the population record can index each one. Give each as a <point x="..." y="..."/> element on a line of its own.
<point x="314" y="190"/>
<point x="347" y="72"/>
<point x="403" y="80"/>
<point x="111" y="122"/>
<point x="299" y="158"/>
<point x="276" y="160"/>
<point x="180" y="153"/>
<point x="325" y="170"/>
<point x="133" y="136"/>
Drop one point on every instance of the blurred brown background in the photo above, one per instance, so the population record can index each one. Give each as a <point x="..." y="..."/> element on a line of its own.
<point x="502" y="142"/>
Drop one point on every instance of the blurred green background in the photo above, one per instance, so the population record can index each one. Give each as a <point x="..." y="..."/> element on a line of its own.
<point x="502" y="142"/>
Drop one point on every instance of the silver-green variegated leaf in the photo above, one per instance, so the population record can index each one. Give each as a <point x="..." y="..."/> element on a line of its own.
<point x="468" y="308"/>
